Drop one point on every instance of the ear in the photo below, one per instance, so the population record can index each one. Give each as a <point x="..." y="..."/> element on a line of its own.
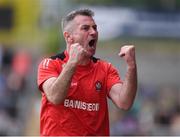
<point x="68" y="37"/>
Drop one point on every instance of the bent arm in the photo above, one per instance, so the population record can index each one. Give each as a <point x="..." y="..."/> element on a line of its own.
<point x="123" y="95"/>
<point x="56" y="88"/>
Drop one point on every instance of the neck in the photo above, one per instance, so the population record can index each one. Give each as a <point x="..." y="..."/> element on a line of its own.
<point x="84" y="62"/>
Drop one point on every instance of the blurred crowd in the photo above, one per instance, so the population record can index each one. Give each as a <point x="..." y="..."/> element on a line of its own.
<point x="156" y="112"/>
<point x="14" y="68"/>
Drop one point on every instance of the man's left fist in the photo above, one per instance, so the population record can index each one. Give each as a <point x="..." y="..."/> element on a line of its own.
<point x="128" y="53"/>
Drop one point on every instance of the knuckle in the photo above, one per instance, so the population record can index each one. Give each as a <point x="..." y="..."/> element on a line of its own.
<point x="73" y="46"/>
<point x="132" y="46"/>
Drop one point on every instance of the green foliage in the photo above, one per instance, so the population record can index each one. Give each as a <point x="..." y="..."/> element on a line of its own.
<point x="55" y="42"/>
<point x="94" y="2"/>
<point x="142" y="4"/>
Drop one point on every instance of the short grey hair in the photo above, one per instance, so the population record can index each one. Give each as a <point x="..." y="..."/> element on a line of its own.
<point x="67" y="19"/>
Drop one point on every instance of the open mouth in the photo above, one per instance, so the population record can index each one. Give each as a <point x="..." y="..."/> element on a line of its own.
<point x="91" y="43"/>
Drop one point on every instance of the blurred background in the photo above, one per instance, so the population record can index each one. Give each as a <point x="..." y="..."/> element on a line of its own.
<point x="30" y="30"/>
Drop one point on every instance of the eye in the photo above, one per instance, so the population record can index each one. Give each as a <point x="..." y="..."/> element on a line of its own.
<point x="85" y="27"/>
<point x="95" y="27"/>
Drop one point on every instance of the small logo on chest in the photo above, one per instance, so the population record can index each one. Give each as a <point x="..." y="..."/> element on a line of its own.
<point x="98" y="85"/>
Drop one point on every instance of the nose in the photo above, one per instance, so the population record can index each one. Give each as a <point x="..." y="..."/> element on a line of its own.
<point x="93" y="31"/>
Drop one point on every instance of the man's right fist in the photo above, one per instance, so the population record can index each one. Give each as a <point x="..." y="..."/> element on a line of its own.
<point x="77" y="53"/>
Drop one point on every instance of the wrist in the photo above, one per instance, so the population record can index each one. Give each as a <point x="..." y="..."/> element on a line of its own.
<point x="131" y="66"/>
<point x="71" y="64"/>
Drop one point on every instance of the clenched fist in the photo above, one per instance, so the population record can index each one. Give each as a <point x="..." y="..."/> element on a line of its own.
<point x="128" y="53"/>
<point x="77" y="53"/>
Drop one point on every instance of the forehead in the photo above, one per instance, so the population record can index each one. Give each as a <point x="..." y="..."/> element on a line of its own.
<point x="84" y="20"/>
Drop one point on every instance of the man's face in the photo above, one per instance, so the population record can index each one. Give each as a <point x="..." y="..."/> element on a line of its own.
<point x="85" y="33"/>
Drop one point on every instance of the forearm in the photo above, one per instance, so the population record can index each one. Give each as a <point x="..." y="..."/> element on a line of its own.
<point x="59" y="88"/>
<point x="129" y="87"/>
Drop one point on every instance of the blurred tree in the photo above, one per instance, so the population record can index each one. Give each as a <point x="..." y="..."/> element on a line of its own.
<point x="162" y="5"/>
<point x="172" y="5"/>
<point x="54" y="41"/>
<point x="169" y="4"/>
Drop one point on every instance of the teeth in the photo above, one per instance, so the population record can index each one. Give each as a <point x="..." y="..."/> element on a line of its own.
<point x="92" y="47"/>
